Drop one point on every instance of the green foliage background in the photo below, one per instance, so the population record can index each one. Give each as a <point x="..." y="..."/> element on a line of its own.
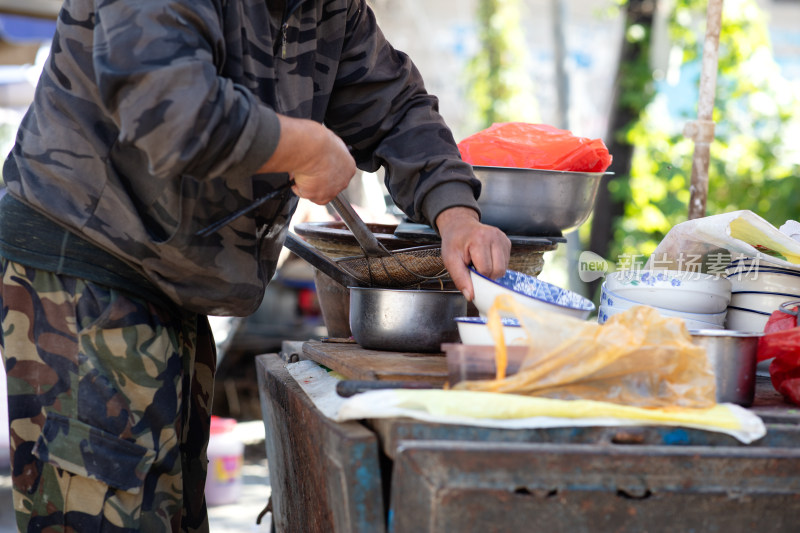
<point x="500" y="88"/>
<point x="754" y="157"/>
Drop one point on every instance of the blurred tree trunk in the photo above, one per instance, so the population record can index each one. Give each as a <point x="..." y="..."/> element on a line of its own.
<point x="500" y="87"/>
<point x="633" y="90"/>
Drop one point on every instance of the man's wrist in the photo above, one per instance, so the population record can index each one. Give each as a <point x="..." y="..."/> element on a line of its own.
<point x="294" y="134"/>
<point x="455" y="215"/>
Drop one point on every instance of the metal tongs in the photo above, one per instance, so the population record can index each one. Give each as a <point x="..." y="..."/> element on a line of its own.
<point x="366" y="239"/>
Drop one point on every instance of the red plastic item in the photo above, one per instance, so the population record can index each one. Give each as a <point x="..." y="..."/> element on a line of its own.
<point x="222" y="425"/>
<point x="781" y="340"/>
<point x="522" y="145"/>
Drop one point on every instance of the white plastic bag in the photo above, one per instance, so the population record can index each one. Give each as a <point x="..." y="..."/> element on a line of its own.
<point x="742" y="232"/>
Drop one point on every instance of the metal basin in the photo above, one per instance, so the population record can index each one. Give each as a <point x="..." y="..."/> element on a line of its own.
<point x="733" y="357"/>
<point x="405" y="320"/>
<point x="531" y="202"/>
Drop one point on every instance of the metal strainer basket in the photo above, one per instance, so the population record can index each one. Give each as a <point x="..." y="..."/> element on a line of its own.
<point x="399" y="268"/>
<point x="379" y="267"/>
<point x="389" y="272"/>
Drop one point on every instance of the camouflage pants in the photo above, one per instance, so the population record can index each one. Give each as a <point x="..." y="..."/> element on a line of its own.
<point x="109" y="402"/>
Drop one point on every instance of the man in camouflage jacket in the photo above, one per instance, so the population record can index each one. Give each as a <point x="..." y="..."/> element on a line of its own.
<point x="151" y="121"/>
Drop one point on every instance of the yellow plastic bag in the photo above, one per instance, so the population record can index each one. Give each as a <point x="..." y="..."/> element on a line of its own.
<point x="636" y="358"/>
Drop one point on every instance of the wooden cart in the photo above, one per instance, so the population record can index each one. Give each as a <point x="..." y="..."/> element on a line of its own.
<point x="402" y="475"/>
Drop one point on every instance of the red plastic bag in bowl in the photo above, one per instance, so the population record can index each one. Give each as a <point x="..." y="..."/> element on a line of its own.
<point x="523" y="145"/>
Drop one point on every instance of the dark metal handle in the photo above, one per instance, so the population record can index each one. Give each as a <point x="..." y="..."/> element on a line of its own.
<point x="216" y="226"/>
<point x="320" y="261"/>
<point x="347" y="388"/>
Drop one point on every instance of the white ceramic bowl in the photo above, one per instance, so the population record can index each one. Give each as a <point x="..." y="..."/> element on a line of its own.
<point x="529" y="291"/>
<point x="766" y="302"/>
<point x="679" y="290"/>
<point x="766" y="281"/>
<point x="475" y="330"/>
<point x="744" y="320"/>
<point x="752" y="264"/>
<point x="604" y="312"/>
<point x="612" y="299"/>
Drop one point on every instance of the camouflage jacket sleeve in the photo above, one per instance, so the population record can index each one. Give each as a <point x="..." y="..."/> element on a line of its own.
<point x="155" y="66"/>
<point x="380" y="107"/>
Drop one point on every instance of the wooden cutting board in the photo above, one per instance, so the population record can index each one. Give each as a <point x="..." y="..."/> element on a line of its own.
<point x="354" y="362"/>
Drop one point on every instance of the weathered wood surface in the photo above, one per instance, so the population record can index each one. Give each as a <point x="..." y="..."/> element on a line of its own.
<point x="354" y="362"/>
<point x="394" y="432"/>
<point x="441" y="487"/>
<point x="325" y="476"/>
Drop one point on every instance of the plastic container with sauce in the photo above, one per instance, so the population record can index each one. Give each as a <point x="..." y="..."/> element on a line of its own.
<point x="225" y="457"/>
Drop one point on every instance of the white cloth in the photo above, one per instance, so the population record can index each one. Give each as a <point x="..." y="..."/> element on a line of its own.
<point x="510" y="411"/>
<point x="792" y="229"/>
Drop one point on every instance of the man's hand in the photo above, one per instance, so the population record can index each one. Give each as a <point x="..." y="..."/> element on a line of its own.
<point x="315" y="157"/>
<point x="465" y="241"/>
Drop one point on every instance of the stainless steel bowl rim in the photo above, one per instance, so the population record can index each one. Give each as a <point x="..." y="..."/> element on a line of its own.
<point x="546" y="170"/>
<point x="403" y="291"/>
<point x="724" y="333"/>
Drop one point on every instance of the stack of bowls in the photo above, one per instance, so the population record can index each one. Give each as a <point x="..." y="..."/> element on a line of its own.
<point x="758" y="288"/>
<point x="701" y="300"/>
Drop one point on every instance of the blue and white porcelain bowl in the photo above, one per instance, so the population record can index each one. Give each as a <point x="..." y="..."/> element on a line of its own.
<point x="475" y="330"/>
<point x="610" y="299"/>
<point x="678" y="290"/>
<point x="604" y="312"/>
<point x="530" y="292"/>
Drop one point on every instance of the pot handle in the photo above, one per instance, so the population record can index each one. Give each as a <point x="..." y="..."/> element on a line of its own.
<point x="320" y="261"/>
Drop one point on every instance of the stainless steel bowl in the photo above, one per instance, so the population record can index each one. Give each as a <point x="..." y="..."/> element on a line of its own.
<point x="733" y="357"/>
<point x="531" y="202"/>
<point x="405" y="320"/>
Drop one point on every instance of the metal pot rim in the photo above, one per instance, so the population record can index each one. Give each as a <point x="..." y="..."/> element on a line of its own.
<point x="724" y="333"/>
<point x="404" y="291"/>
<point x="542" y="170"/>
